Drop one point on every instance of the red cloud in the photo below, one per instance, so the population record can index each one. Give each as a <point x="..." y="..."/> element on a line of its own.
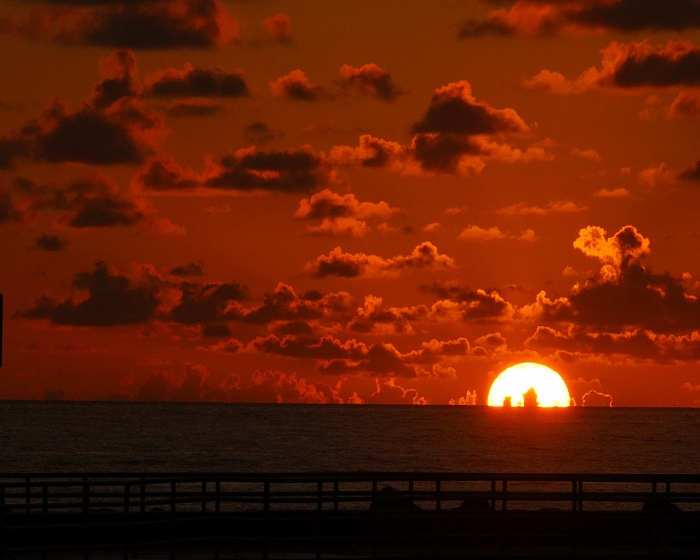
<point x="112" y="127"/>
<point x="159" y="24"/>
<point x="279" y="28"/>
<point x="630" y="66"/>
<point x="196" y="82"/>
<point x="594" y="398"/>
<point x="350" y="265"/>
<point x="548" y="17"/>
<point x="370" y="79"/>
<point x="297" y="87"/>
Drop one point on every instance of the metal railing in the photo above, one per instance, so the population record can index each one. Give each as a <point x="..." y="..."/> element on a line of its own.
<point x="428" y="514"/>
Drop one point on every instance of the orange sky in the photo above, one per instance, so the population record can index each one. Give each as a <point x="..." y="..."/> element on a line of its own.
<point x="350" y="202"/>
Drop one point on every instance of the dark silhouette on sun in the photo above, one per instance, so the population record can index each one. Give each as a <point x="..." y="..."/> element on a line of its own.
<point x="530" y="397"/>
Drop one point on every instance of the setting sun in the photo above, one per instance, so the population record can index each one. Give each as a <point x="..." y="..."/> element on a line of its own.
<point x="529" y="384"/>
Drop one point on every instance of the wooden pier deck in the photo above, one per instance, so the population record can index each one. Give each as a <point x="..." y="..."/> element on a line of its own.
<point x="348" y="515"/>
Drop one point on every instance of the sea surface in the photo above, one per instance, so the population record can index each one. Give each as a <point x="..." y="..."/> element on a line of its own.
<point x="53" y="437"/>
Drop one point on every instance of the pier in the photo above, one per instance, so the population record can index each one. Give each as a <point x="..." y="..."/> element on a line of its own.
<point x="348" y="515"/>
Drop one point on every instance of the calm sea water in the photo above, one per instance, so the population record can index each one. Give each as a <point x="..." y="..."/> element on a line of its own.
<point x="95" y="437"/>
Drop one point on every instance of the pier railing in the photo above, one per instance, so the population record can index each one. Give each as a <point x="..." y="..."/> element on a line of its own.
<point x="374" y="513"/>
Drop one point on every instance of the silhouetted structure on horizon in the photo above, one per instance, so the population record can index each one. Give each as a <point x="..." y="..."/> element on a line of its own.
<point x="530" y="397"/>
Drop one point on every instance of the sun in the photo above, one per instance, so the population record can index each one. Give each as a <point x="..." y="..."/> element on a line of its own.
<point x="529" y="384"/>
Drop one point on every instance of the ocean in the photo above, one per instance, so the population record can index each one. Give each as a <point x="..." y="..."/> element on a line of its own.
<point x="53" y="437"/>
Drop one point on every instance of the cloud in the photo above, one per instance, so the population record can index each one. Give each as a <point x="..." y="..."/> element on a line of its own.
<point x="686" y="104"/>
<point x="50" y="243"/>
<point x="655" y="174"/>
<point x="207" y="303"/>
<point x="591" y="154"/>
<point x="629" y="66"/>
<point x="9" y="212"/>
<point x="691" y="174"/>
<point x="93" y="201"/>
<point x="279" y="28"/>
<point x="196" y="82"/>
<point x="193" y="108"/>
<point x="474" y="305"/>
<point x="390" y="393"/>
<point x="624" y="298"/>
<point x="297" y="87"/>
<point x="189" y="269"/>
<point x="553" y="207"/>
<point x="594" y="398"/>
<point x="456" y="135"/>
<point x="341" y="215"/>
<point x="453" y="109"/>
<point x="247" y="169"/>
<point x="612" y="193"/>
<point x="542" y="18"/>
<point x="374" y="317"/>
<point x="370" y="79"/>
<point x="157" y="24"/>
<point x="476" y="233"/>
<point x="108" y="300"/>
<point x="352" y="265"/>
<point x="112" y="127"/>
<point x="258" y="133"/>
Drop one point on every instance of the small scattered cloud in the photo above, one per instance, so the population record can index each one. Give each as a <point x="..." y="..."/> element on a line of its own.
<point x="477" y="233"/>
<point x="258" y="134"/>
<point x="296" y="86"/>
<point x="52" y="243"/>
<point x="196" y="82"/>
<point x="151" y="25"/>
<point x="686" y="104"/>
<point x="554" y="207"/>
<point x="612" y="193"/>
<point x="655" y="174"/>
<point x="370" y="79"/>
<point x="590" y="154"/>
<point x="279" y="28"/>
<point x="353" y="265"/>
<point x="595" y="398"/>
<point x="189" y="269"/>
<point x="193" y="108"/>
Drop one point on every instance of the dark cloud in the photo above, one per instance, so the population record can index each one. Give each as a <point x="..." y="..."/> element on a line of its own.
<point x="112" y="300"/>
<point x="189" y="269"/>
<point x="216" y="331"/>
<point x="157" y="24"/>
<point x="8" y="211"/>
<point x="352" y="265"/>
<point x="297" y="87"/>
<point x="259" y="133"/>
<point x="676" y="64"/>
<point x="208" y="303"/>
<point x="90" y="202"/>
<point x="193" y="108"/>
<point x="691" y="174"/>
<point x="453" y="109"/>
<point x="542" y="18"/>
<point x="289" y="171"/>
<point x="284" y="304"/>
<point x="50" y="243"/>
<point x="196" y="82"/>
<point x="112" y="127"/>
<point x="480" y="304"/>
<point x="247" y="169"/>
<point x="370" y="79"/>
<point x="443" y="152"/>
<point x="375" y="317"/>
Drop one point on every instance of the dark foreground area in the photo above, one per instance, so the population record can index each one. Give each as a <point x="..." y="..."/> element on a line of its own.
<point x="348" y="515"/>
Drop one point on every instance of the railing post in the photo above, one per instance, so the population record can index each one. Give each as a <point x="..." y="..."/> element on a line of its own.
<point x="217" y="511"/>
<point x="28" y="496"/>
<point x="173" y="489"/>
<point x="217" y="505"/>
<point x="493" y="494"/>
<point x="143" y="494"/>
<point x="204" y="496"/>
<point x="580" y="495"/>
<point x="44" y="518"/>
<point x="266" y="513"/>
<point x="335" y="494"/>
<point x="86" y="516"/>
<point x="2" y="521"/>
<point x="126" y="521"/>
